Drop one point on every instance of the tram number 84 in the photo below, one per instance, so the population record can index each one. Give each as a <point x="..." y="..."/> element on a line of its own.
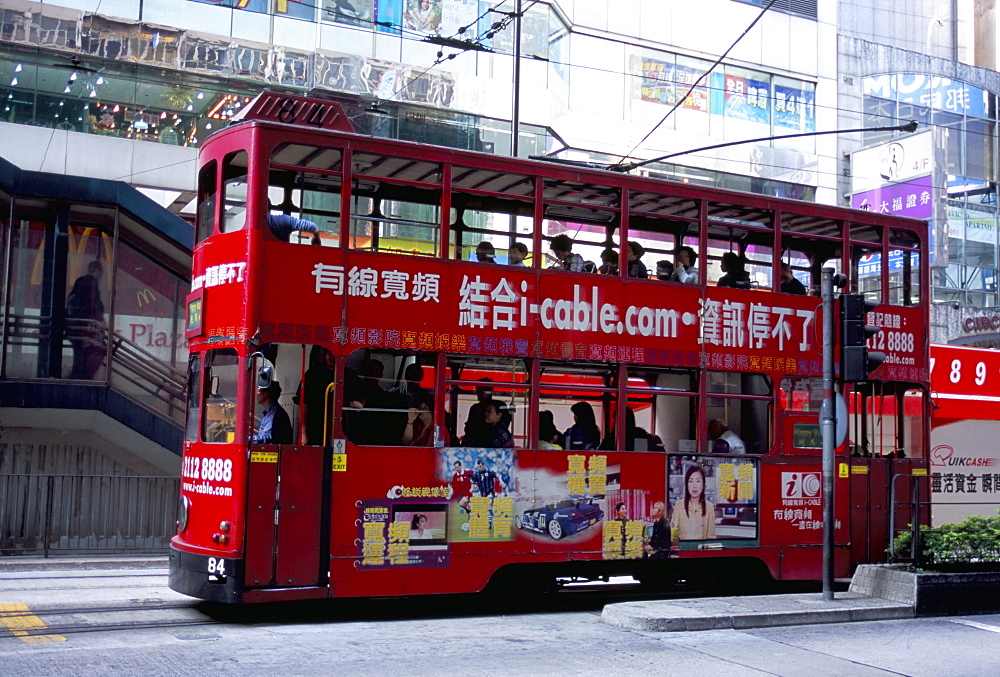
<point x="216" y="570"/>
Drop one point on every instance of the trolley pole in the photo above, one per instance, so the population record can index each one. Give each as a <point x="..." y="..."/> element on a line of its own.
<point x="827" y="430"/>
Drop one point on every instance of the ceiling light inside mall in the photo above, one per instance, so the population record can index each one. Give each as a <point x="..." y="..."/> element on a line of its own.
<point x="93" y="93"/>
<point x="13" y="83"/>
<point x="190" y="107"/>
<point x="66" y="91"/>
<point x="201" y="95"/>
<point x="72" y="76"/>
<point x="100" y="79"/>
<point x="20" y="67"/>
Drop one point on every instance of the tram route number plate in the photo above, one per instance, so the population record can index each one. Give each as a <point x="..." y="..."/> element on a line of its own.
<point x="216" y="570"/>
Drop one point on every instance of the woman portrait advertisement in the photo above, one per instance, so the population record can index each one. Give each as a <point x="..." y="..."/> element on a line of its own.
<point x="694" y="516"/>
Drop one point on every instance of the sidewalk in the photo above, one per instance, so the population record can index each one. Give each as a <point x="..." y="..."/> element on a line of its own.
<point x="763" y="611"/>
<point x="82" y="562"/>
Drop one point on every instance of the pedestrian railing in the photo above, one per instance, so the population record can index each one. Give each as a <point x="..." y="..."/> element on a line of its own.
<point x="60" y="514"/>
<point x="134" y="371"/>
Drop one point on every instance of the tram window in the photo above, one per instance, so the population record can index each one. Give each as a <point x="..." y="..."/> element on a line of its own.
<point x="288" y="363"/>
<point x="657" y="247"/>
<point x="472" y="383"/>
<point x="588" y="241"/>
<point x="886" y="421"/>
<point x="206" y="200"/>
<point x="581" y="399"/>
<point x="743" y="404"/>
<point x="194" y="397"/>
<point x="380" y="389"/>
<point x="497" y="228"/>
<point x="399" y="227"/>
<point x="801" y="393"/>
<point x="664" y="405"/>
<point x="222" y="373"/>
<point x="234" y="192"/>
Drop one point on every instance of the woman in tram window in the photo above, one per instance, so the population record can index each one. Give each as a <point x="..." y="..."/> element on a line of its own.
<point x="694" y="518"/>
<point x="685" y="266"/>
<point x="584" y="433"/>
<point x="419" y="430"/>
<point x="636" y="268"/>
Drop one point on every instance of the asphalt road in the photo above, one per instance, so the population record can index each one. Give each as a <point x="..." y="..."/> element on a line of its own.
<point x="128" y="622"/>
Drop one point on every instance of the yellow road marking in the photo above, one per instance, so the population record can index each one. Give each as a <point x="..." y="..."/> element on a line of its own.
<point x="24" y="625"/>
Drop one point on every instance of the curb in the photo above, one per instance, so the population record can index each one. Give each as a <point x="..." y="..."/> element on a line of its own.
<point x="76" y="564"/>
<point x="671" y="617"/>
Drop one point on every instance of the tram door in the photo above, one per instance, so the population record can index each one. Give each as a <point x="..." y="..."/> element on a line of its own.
<point x="285" y="499"/>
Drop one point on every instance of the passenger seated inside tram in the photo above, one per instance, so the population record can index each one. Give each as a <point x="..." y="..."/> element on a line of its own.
<point x="636" y="438"/>
<point x="366" y="418"/>
<point x="517" y="253"/>
<point x="664" y="270"/>
<point x="282" y="226"/>
<point x="485" y="253"/>
<point x="685" y="266"/>
<point x="562" y="249"/>
<point x="636" y="268"/>
<point x="735" y="274"/>
<point x="584" y="433"/>
<point x="549" y="437"/>
<point x="419" y="430"/>
<point x="609" y="262"/>
<point x="789" y="283"/>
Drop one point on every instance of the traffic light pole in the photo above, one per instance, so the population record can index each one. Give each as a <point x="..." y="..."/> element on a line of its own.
<point x="827" y="430"/>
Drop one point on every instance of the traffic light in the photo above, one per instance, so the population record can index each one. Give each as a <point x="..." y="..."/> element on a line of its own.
<point x="856" y="360"/>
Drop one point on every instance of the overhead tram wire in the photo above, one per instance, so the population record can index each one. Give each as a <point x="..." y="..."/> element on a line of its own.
<point x="463" y="45"/>
<point x="682" y="99"/>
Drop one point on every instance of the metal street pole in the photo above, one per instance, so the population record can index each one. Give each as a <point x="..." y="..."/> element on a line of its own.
<point x="827" y="429"/>
<point x="515" y="119"/>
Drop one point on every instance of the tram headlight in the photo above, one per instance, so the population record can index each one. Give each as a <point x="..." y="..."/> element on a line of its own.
<point x="182" y="521"/>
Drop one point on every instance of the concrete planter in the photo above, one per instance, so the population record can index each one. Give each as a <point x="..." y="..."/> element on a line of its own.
<point x="930" y="592"/>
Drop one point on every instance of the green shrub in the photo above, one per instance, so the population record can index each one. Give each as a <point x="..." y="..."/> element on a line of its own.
<point x="977" y="539"/>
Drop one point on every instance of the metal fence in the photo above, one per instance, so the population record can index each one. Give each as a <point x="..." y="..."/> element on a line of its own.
<point x="59" y="514"/>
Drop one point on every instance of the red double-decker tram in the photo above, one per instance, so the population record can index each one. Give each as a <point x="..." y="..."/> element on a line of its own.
<point x="440" y="395"/>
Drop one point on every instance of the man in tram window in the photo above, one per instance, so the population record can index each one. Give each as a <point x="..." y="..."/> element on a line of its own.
<point x="314" y="392"/>
<point x="485" y="253"/>
<point x="517" y="254"/>
<point x="497" y="436"/>
<point x="282" y="226"/>
<point x="562" y="249"/>
<point x="477" y="432"/>
<point x="410" y="391"/>
<point x="275" y="426"/>
<point x="724" y="440"/>
<point x="789" y="283"/>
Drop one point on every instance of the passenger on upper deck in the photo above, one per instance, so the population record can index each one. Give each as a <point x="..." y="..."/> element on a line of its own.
<point x="636" y="268"/>
<point x="685" y="266"/>
<point x="636" y="438"/>
<point x="485" y="253"/>
<point x="282" y="226"/>
<point x="664" y="270"/>
<point x="789" y="283"/>
<point x="736" y="275"/>
<point x="609" y="262"/>
<point x="517" y="253"/>
<point x="562" y="249"/>
<point x="548" y="434"/>
<point x="275" y="426"/>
